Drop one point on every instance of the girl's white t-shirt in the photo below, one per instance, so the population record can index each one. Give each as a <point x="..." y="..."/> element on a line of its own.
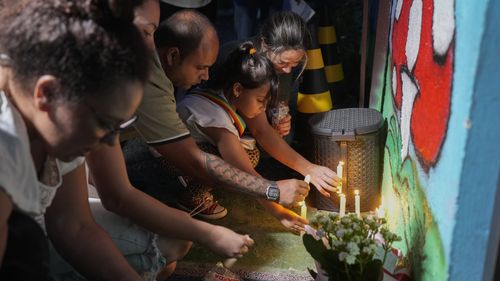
<point x="197" y="111"/>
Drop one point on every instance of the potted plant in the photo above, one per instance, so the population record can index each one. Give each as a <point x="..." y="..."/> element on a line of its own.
<point x="348" y="248"/>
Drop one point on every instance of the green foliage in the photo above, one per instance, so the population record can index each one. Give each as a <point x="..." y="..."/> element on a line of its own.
<point x="346" y="247"/>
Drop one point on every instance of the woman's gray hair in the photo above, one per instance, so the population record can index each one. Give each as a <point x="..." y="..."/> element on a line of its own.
<point x="284" y="31"/>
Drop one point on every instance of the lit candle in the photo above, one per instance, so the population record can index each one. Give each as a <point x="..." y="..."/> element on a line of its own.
<point x="303" y="209"/>
<point x="380" y="212"/>
<point x="357" y="203"/>
<point x="303" y="206"/>
<point x="342" y="204"/>
<point x="340" y="168"/>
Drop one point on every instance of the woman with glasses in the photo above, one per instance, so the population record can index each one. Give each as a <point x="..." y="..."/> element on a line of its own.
<point x="151" y="235"/>
<point x="284" y="38"/>
<point x="71" y="77"/>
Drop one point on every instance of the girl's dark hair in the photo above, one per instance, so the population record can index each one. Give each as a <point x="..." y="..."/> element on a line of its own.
<point x="283" y="31"/>
<point x="248" y="67"/>
<point x="90" y="46"/>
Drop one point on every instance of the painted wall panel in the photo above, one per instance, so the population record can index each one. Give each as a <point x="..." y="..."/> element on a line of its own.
<point x="425" y="89"/>
<point x="475" y="237"/>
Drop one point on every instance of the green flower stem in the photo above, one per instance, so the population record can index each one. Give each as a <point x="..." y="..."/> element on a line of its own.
<point x="385" y="256"/>
<point x="361" y="269"/>
<point x="347" y="272"/>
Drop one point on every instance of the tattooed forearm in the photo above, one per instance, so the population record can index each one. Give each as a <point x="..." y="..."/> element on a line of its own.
<point x="230" y="176"/>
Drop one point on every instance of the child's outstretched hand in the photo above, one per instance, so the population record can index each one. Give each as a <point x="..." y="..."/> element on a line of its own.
<point x="291" y="220"/>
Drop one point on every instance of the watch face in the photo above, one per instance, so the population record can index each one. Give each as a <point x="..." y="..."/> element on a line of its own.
<point x="273" y="193"/>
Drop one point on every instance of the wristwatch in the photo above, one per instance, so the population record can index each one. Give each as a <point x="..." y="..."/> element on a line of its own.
<point x="273" y="192"/>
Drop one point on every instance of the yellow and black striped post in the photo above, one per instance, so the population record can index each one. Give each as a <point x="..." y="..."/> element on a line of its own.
<point x="314" y="96"/>
<point x="327" y="38"/>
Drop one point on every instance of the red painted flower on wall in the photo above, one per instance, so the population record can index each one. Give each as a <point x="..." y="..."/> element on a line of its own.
<point x="422" y="62"/>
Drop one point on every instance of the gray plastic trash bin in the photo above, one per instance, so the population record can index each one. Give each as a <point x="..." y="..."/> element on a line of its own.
<point x="351" y="135"/>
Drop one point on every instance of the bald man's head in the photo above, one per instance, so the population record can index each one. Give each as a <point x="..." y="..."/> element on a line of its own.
<point x="185" y="31"/>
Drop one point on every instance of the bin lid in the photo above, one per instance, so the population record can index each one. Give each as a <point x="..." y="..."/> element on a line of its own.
<point x="346" y="123"/>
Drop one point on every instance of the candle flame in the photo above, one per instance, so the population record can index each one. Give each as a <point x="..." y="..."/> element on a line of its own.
<point x="341" y="162"/>
<point x="356" y="192"/>
<point x="380" y="211"/>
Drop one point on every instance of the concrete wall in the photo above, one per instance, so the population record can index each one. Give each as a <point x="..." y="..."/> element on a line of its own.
<point x="436" y="81"/>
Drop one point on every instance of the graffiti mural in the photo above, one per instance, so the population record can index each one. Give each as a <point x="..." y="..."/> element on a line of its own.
<point x="408" y="208"/>
<point x="415" y="98"/>
<point x="422" y="63"/>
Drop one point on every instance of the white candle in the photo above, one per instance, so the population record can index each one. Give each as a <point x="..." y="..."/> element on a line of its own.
<point x="340" y="168"/>
<point x="303" y="206"/>
<point x="380" y="212"/>
<point x="307" y="179"/>
<point x="357" y="203"/>
<point x="342" y="204"/>
<point x="303" y="209"/>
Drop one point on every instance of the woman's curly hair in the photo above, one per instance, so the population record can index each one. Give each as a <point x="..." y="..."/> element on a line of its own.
<point x="90" y="46"/>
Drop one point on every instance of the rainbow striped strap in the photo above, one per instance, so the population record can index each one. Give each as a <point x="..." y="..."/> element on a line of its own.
<point x="238" y="121"/>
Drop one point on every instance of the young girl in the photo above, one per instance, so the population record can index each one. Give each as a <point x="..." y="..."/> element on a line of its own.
<point x="71" y="77"/>
<point x="283" y="39"/>
<point x="245" y="84"/>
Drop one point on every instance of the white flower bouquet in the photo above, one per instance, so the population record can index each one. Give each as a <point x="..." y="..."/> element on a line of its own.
<point x="349" y="248"/>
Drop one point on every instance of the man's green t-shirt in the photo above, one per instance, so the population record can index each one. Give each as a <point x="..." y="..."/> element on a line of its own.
<point x="158" y="121"/>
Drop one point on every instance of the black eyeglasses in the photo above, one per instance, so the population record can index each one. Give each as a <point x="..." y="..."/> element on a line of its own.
<point x="111" y="130"/>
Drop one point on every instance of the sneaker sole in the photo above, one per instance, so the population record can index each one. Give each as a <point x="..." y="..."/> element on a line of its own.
<point x="215" y="216"/>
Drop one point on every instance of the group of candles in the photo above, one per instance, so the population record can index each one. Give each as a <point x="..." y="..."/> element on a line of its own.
<point x="342" y="198"/>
